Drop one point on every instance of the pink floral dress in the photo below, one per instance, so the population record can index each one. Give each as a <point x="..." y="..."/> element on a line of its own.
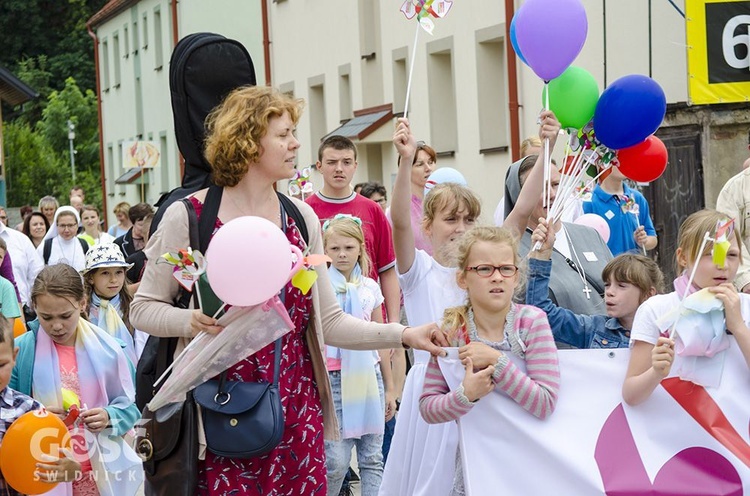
<point x="297" y="465"/>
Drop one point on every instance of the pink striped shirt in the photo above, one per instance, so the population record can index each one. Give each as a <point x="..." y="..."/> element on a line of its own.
<point x="536" y="390"/>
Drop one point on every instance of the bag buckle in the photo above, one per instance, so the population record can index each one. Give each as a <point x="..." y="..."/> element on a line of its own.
<point x="222" y="403"/>
<point x="145" y="449"/>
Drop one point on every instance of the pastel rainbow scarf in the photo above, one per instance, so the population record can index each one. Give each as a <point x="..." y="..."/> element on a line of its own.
<point x="106" y="315"/>
<point x="105" y="379"/>
<point x="361" y="409"/>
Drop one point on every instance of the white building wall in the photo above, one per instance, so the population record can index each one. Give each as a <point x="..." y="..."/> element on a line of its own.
<point x="125" y="116"/>
<point x="313" y="41"/>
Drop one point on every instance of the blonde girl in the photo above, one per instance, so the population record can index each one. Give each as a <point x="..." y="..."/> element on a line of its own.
<point x="422" y="455"/>
<point x="109" y="297"/>
<point x="504" y="346"/>
<point x="357" y="383"/>
<point x="92" y="234"/>
<point x="653" y="351"/>
<point x="62" y="350"/>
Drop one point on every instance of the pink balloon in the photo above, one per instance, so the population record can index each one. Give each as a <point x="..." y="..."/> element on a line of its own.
<point x="596" y="222"/>
<point x="249" y="261"/>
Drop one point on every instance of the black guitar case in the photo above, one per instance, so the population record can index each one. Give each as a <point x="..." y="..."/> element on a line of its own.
<point x="203" y="69"/>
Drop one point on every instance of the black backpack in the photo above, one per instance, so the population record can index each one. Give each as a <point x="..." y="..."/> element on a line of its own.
<point x="47" y="250"/>
<point x="158" y="352"/>
<point x="203" y="69"/>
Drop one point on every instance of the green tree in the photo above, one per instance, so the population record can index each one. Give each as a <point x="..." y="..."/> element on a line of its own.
<point x="32" y="168"/>
<point x="34" y="71"/>
<point x="80" y="108"/>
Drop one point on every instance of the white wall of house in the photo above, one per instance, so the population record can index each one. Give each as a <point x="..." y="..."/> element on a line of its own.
<point x="135" y="47"/>
<point x="459" y="101"/>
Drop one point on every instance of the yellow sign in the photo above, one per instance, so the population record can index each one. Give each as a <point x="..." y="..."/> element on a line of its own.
<point x="718" y="39"/>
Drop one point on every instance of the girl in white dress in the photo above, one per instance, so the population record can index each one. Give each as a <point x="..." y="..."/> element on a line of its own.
<point x="653" y="346"/>
<point x="422" y="457"/>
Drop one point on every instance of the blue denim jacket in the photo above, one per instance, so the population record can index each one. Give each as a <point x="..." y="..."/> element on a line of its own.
<point x="580" y="331"/>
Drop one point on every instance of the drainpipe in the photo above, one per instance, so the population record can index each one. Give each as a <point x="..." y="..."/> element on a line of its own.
<point x="101" y="134"/>
<point x="510" y="55"/>
<point x="266" y="41"/>
<point x="175" y="39"/>
<point x="175" y="27"/>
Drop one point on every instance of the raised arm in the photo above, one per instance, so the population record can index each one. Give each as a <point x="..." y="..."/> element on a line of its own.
<point x="533" y="187"/>
<point x="566" y="325"/>
<point x="403" y="236"/>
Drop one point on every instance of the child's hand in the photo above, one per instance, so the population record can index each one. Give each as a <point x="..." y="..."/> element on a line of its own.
<point x="54" y="470"/>
<point x="480" y="354"/>
<point x="479" y="384"/>
<point x="546" y="236"/>
<point x="403" y="140"/>
<point x="95" y="419"/>
<point x="57" y="411"/>
<point x="549" y="127"/>
<point x="390" y="406"/>
<point x="640" y="236"/>
<point x="662" y="356"/>
<point x="728" y="295"/>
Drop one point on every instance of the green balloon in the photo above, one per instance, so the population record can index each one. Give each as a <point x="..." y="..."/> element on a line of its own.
<point x="572" y="97"/>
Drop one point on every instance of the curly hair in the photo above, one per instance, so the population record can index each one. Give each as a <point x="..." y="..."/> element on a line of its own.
<point x="235" y="127"/>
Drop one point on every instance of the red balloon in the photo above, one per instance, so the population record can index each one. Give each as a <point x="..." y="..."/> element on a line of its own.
<point x="644" y="162"/>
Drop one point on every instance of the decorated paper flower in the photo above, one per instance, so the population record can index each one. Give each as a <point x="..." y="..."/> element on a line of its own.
<point x="306" y="276"/>
<point x="188" y="266"/>
<point x="300" y="185"/>
<point x="724" y="230"/>
<point x="628" y="205"/>
<point x="423" y="9"/>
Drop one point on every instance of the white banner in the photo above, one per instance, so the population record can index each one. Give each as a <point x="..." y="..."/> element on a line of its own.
<point x="691" y="441"/>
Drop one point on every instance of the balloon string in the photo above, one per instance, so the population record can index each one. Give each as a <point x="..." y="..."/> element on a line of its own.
<point x="547" y="165"/>
<point x="411" y="70"/>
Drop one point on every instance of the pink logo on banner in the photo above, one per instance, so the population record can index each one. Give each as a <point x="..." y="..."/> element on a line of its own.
<point x="695" y="470"/>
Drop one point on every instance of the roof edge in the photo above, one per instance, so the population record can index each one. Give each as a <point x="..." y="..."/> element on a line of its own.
<point x="111" y="9"/>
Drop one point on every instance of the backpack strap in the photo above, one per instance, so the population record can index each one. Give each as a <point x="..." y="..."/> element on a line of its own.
<point x="200" y="231"/>
<point x="291" y="209"/>
<point x="47" y="250"/>
<point x="84" y="245"/>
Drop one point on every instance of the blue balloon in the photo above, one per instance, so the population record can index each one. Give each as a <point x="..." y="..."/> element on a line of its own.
<point x="444" y="175"/>
<point x="514" y="42"/>
<point x="630" y="110"/>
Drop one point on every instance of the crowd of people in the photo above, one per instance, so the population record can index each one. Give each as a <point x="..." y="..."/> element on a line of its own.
<point x="358" y="369"/>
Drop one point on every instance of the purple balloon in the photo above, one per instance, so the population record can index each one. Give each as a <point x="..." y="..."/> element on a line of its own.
<point x="550" y="34"/>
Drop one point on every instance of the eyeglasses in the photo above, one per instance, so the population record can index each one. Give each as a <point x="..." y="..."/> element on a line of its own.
<point x="67" y="226"/>
<point x="421" y="144"/>
<point x="488" y="270"/>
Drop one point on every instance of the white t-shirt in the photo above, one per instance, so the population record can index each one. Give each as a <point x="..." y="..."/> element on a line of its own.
<point x="26" y="262"/>
<point x="647" y="326"/>
<point x="429" y="288"/>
